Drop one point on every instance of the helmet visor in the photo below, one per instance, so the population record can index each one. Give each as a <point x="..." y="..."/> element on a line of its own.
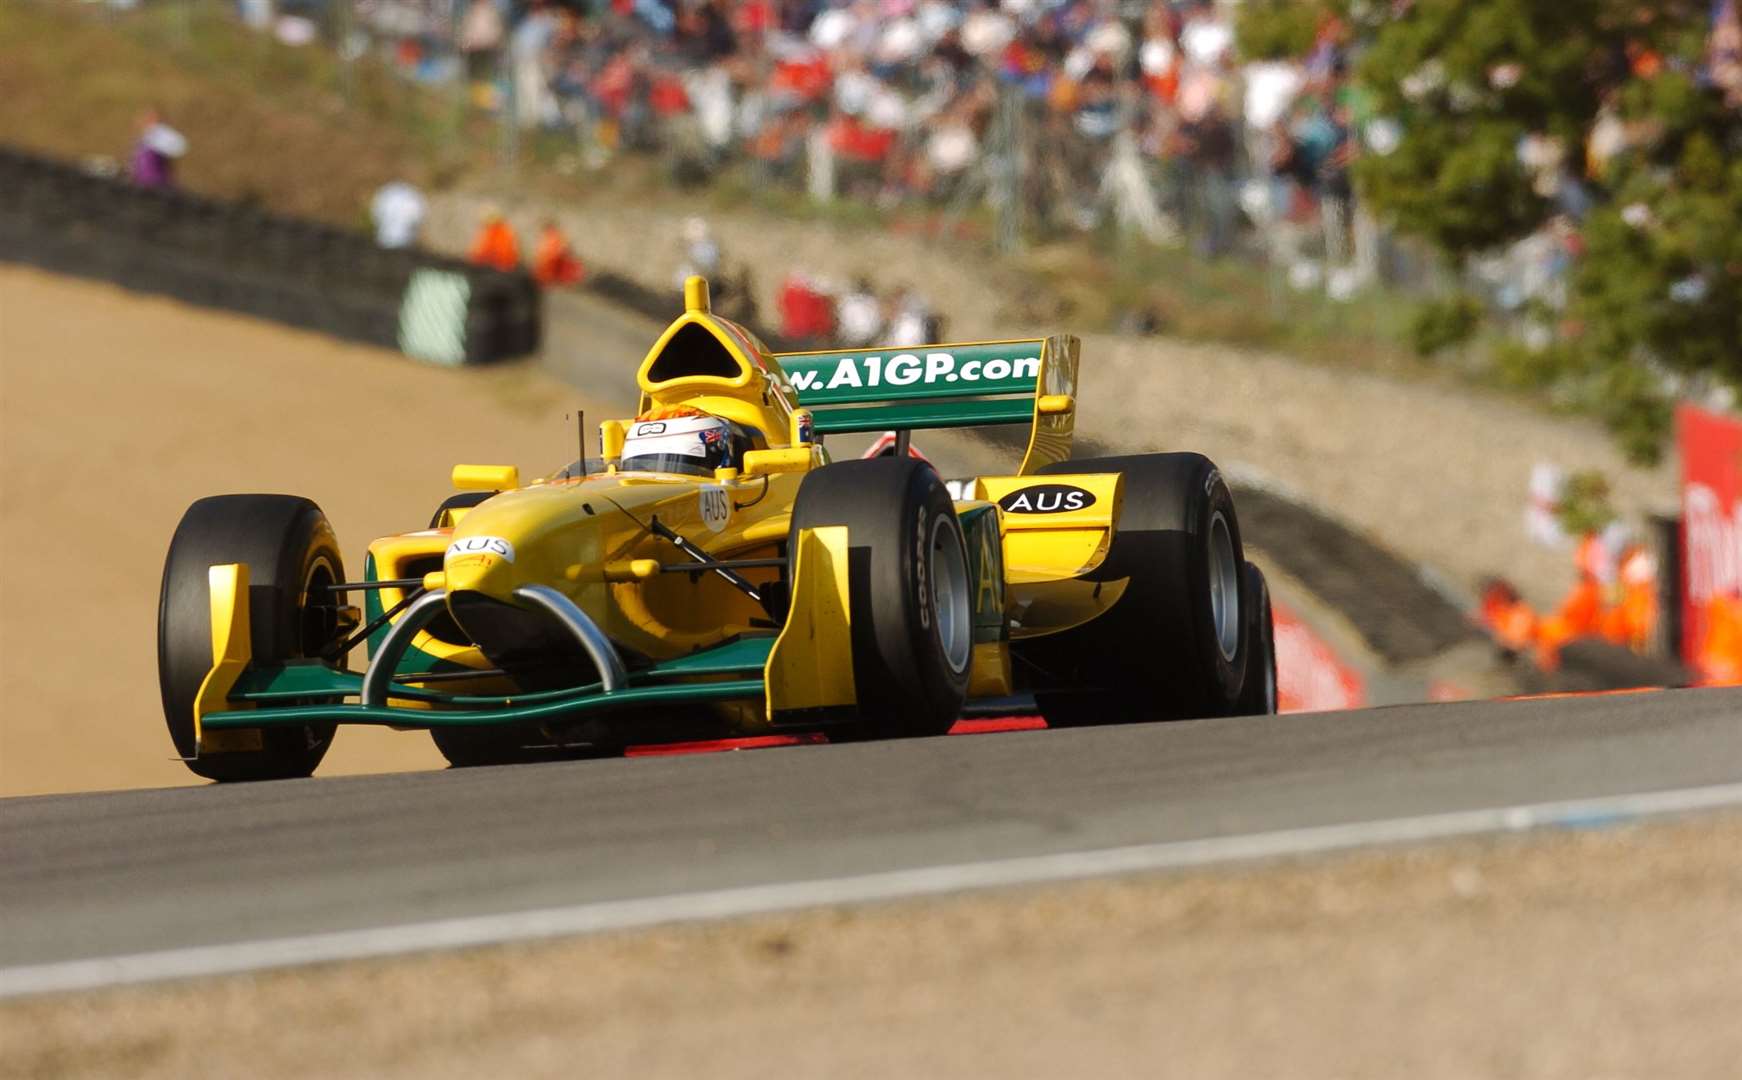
<point x="692" y="453"/>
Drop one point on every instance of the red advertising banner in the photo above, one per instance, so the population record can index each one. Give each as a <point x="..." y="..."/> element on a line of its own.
<point x="1310" y="676"/>
<point x="1711" y="495"/>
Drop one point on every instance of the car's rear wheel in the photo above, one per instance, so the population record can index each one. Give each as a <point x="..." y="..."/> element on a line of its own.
<point x="291" y="555"/>
<point x="1174" y="645"/>
<point x="909" y="592"/>
<point x="443" y="517"/>
<point x="470" y="747"/>
<point x="1258" y="693"/>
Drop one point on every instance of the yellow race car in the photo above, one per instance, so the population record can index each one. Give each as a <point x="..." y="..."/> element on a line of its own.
<point x="715" y="574"/>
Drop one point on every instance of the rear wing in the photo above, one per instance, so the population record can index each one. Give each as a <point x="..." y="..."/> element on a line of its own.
<point x="1032" y="381"/>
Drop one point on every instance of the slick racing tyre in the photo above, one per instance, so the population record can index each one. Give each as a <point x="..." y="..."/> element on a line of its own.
<point x="1258" y="694"/>
<point x="1174" y="645"/>
<point x="464" y="500"/>
<point x="909" y="592"/>
<point x="466" y="748"/>
<point x="518" y="744"/>
<point x="291" y="555"/>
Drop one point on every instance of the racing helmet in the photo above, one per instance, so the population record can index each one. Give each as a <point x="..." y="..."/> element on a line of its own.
<point x="683" y="441"/>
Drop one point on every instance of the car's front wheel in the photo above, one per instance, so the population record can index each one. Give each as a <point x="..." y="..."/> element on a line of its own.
<point x="292" y="556"/>
<point x="909" y="592"/>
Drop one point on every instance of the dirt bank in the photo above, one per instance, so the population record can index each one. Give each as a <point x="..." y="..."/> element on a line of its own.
<point x="116" y="412"/>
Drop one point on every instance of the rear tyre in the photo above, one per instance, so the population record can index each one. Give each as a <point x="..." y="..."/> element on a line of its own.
<point x="1174" y="645"/>
<point x="464" y="500"/>
<point x="291" y="553"/>
<point x="466" y="748"/>
<point x="1258" y="693"/>
<point x="909" y="591"/>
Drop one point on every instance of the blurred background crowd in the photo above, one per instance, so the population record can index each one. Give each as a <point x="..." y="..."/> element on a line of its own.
<point x="1055" y="114"/>
<point x="1162" y="119"/>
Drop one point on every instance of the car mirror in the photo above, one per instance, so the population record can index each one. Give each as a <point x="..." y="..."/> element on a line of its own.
<point x="612" y="434"/>
<point x="486" y="477"/>
<point x="767" y="462"/>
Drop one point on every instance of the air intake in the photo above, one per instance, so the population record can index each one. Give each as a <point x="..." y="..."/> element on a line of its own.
<point x="693" y="351"/>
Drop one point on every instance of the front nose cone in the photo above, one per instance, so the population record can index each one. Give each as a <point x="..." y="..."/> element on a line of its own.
<point x="492" y="577"/>
<point x="482" y="564"/>
<point x="480" y="597"/>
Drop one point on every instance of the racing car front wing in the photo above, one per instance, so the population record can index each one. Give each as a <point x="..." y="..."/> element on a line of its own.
<point x="809" y="665"/>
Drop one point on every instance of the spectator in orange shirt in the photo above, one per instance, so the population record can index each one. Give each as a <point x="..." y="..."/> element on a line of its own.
<point x="1719" y="654"/>
<point x="1507" y="617"/>
<point x="554" y="262"/>
<point x="1632" y="620"/>
<point x="1581" y="612"/>
<point x="495" y="244"/>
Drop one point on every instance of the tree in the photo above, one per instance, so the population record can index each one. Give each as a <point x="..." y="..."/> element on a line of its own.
<point x="1497" y="102"/>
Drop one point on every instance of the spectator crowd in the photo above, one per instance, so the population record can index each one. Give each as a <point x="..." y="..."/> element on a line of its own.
<point x="1061" y="114"/>
<point x="1069" y="113"/>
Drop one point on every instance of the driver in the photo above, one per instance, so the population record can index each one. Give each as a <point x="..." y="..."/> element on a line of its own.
<point x="684" y="439"/>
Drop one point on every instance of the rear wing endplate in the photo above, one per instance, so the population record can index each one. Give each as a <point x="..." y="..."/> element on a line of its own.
<point x="1032" y="381"/>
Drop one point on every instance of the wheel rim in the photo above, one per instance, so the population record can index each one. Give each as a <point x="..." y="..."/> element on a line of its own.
<point x="1224" y="587"/>
<point x="313" y="625"/>
<point x="949" y="594"/>
<point x="313" y="628"/>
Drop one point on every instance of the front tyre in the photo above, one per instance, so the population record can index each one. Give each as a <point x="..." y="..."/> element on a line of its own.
<point x="292" y="556"/>
<point x="909" y="592"/>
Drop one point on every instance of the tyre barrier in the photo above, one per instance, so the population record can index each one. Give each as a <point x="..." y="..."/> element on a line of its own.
<point x="235" y="256"/>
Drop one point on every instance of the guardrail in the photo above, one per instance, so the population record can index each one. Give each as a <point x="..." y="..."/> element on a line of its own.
<point x="238" y="257"/>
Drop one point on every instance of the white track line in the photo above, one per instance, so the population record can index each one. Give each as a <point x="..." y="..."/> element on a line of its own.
<point x="206" y="960"/>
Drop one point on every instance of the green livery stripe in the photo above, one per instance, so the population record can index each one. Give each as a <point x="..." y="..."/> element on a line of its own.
<point x="747" y="653"/>
<point x="301" y="681"/>
<point x="415" y="659"/>
<point x="925" y="371"/>
<point x="635" y="696"/>
<point x="924" y="415"/>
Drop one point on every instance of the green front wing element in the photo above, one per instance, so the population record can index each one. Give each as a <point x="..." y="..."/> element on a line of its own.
<point x="303" y="692"/>
<point x="928" y="386"/>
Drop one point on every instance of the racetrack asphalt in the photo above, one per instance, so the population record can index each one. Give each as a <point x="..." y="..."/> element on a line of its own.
<point x="99" y="875"/>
